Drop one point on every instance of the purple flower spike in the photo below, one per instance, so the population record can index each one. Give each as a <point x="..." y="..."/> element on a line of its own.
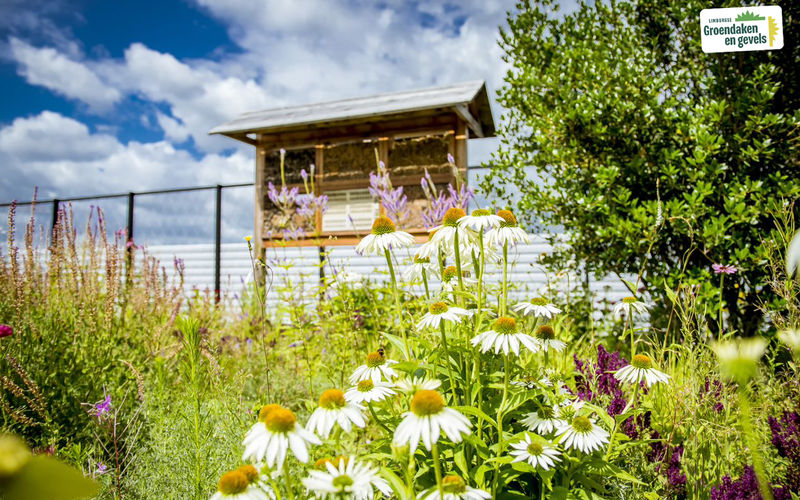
<point x="450" y="159"/>
<point x="102" y="408"/>
<point x="304" y="174"/>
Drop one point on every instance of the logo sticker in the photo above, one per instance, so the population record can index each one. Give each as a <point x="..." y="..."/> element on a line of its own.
<point x="741" y="29"/>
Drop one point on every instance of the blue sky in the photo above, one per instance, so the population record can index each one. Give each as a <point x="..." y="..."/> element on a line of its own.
<point x="118" y="96"/>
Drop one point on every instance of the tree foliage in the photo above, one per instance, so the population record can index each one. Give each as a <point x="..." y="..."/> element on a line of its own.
<point x="652" y="155"/>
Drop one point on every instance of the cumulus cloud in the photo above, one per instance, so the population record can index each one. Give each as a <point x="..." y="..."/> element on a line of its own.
<point x="174" y="130"/>
<point x="53" y="70"/>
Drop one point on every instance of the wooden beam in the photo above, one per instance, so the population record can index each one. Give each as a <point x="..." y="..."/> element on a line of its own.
<point x="363" y="183"/>
<point x="460" y="155"/>
<point x="243" y="138"/>
<point x="333" y="239"/>
<point x="360" y="131"/>
<point x="464" y="113"/>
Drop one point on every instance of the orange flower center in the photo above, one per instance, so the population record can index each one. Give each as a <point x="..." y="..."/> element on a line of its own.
<point x="438" y="308"/>
<point x="265" y="410"/>
<point x="642" y="361"/>
<point x="375" y="359"/>
<point x="250" y="472"/>
<point x="232" y="483"/>
<point x="452" y="216"/>
<point x="383" y="225"/>
<point x="280" y="420"/>
<point x="425" y="403"/>
<point x="546" y="332"/>
<point x="332" y="399"/>
<point x="505" y="325"/>
<point x="508" y="218"/>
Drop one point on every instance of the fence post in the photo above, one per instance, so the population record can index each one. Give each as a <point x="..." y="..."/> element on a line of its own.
<point x="129" y="243"/>
<point x="218" y="244"/>
<point x="54" y="220"/>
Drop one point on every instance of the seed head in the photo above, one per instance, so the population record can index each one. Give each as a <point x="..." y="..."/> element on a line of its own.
<point x="582" y="424"/>
<point x="232" y="483"/>
<point x="508" y="218"/>
<point x="642" y="361"/>
<point x="629" y="300"/>
<point x="481" y="212"/>
<point x="545" y="332"/>
<point x="425" y="403"/>
<point x="265" y="410"/>
<point x="280" y="420"/>
<point x="342" y="482"/>
<point x="452" y="216"/>
<point x="383" y="225"/>
<point x="449" y="273"/>
<point x="438" y="308"/>
<point x="366" y="385"/>
<point x="535" y="448"/>
<point x="332" y="399"/>
<point x="539" y="301"/>
<point x="505" y="325"/>
<point x="453" y="484"/>
<point x="250" y="472"/>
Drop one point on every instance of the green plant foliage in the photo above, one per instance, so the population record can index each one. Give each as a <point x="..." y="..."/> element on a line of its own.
<point x="654" y="157"/>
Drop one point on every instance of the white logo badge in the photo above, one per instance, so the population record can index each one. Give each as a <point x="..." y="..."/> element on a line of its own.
<point x="741" y="29"/>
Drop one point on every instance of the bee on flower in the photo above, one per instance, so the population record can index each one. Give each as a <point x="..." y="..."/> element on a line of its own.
<point x="243" y="483"/>
<point x="427" y="419"/>
<point x="504" y="336"/>
<point x="439" y="312"/>
<point x="335" y="409"/>
<point x="376" y="368"/>
<point x="537" y="452"/>
<point x="346" y="478"/>
<point x="367" y="391"/>
<point x="582" y="433"/>
<point x="454" y="488"/>
<point x="546" y="336"/>
<point x="641" y="368"/>
<point x="384" y="236"/>
<point x="629" y="306"/>
<point x="508" y="233"/>
<point x="538" y="307"/>
<point x="276" y="431"/>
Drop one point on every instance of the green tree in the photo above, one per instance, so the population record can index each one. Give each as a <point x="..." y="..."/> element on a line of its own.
<point x="617" y="107"/>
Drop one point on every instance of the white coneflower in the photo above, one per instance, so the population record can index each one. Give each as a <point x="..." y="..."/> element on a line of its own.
<point x="641" y="368"/>
<point x="384" y="236"/>
<point x="454" y="488"/>
<point x="450" y="279"/>
<point x="538" y="453"/>
<point x="410" y="385"/>
<point x="367" y="391"/>
<point x="430" y="249"/>
<point x="439" y="312"/>
<point x="445" y="234"/>
<point x="505" y="337"/>
<point x="582" y="434"/>
<point x="629" y="305"/>
<point x="347" y="479"/>
<point x="539" y="307"/>
<point x="347" y="279"/>
<point x="419" y="266"/>
<point x="335" y="409"/>
<point x="376" y="368"/>
<point x="480" y="220"/>
<point x="276" y="431"/>
<point x="543" y="420"/>
<point x="547" y="339"/>
<point x="242" y="484"/>
<point x="793" y="257"/>
<point x="567" y="410"/>
<point x="509" y="231"/>
<point x="738" y="359"/>
<point x="427" y="419"/>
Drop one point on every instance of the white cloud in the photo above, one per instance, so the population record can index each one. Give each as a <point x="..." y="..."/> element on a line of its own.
<point x="64" y="158"/>
<point x="53" y="70"/>
<point x="173" y="129"/>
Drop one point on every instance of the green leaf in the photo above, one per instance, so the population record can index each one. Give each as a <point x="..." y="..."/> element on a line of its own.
<point x="469" y="410"/>
<point x="45" y="478"/>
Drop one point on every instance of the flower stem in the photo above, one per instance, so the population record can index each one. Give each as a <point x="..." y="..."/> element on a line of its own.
<point x="397" y="302"/>
<point x="504" y="300"/>
<point x="425" y="282"/>
<point x="289" y="489"/>
<point x="375" y="416"/>
<point x="745" y="420"/>
<point x="500" y="411"/>
<point x="437" y="469"/>
<point x="447" y="359"/>
<point x="458" y="264"/>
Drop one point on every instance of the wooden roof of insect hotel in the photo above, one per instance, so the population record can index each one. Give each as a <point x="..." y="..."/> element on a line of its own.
<point x="410" y="132"/>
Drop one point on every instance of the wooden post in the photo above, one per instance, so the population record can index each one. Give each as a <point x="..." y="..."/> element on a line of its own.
<point x="383" y="155"/>
<point x="319" y="163"/>
<point x="460" y="147"/>
<point x="258" y="238"/>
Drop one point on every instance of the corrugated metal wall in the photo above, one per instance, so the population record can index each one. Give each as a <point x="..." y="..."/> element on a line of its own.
<point x="296" y="270"/>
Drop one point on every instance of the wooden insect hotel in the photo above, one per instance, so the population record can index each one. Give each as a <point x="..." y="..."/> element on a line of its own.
<point x="410" y="131"/>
